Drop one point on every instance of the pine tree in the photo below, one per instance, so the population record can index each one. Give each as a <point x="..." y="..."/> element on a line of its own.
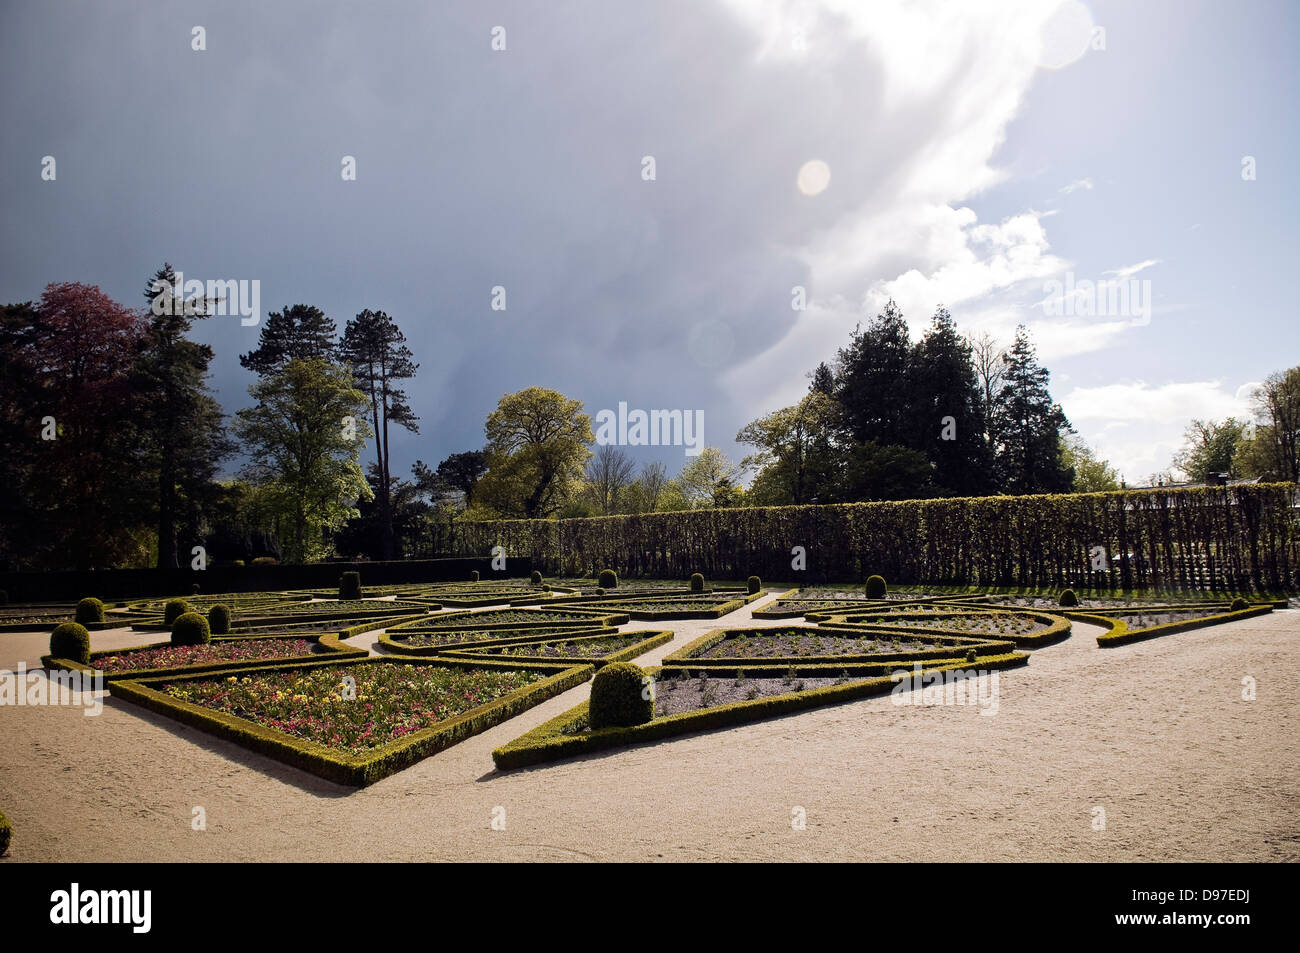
<point x="374" y="349"/>
<point x="301" y="332"/>
<point x="872" y="382"/>
<point x="947" y="409"/>
<point x="1030" y="426"/>
<point x="179" y="423"/>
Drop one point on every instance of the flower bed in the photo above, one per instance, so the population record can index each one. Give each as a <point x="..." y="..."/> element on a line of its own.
<point x="435" y="641"/>
<point x="595" y="649"/>
<point x="185" y="656"/>
<point x="1025" y="629"/>
<point x="403" y="710"/>
<point x="515" y="619"/>
<point x="671" y="607"/>
<point x="823" y="645"/>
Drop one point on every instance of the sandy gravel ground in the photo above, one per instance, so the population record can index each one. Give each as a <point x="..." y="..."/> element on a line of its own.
<point x="1155" y="734"/>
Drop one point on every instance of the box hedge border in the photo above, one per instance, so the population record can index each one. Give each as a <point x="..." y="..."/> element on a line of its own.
<point x="715" y="611"/>
<point x="547" y="742"/>
<point x="452" y="621"/>
<point x="357" y="770"/>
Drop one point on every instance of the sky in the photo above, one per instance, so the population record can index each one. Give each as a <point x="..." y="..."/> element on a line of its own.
<point x="649" y="183"/>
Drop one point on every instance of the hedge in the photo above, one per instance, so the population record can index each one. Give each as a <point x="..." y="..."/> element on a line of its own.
<point x="1058" y="627"/>
<point x="547" y="742"/>
<point x="707" y="610"/>
<point x="1237" y="537"/>
<point x="357" y="769"/>
<point x="392" y="641"/>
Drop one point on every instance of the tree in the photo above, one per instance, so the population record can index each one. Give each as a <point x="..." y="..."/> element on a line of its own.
<point x="374" y="349"/>
<point x="989" y="360"/>
<point x="645" y="493"/>
<point x="180" y="426"/>
<point x="796" y="459"/>
<point x="537" y="450"/>
<point x="1210" y="447"/>
<point x="1091" y="473"/>
<point x="948" y="409"/>
<point x="890" y="472"/>
<point x="301" y="332"/>
<point x="303" y="453"/>
<point x="79" y="350"/>
<point x="462" y="471"/>
<point x="1030" y="426"/>
<point x="709" y="481"/>
<point x="1275" y="446"/>
<point x="872" y="382"/>
<point x="19" y="435"/>
<point x="609" y="474"/>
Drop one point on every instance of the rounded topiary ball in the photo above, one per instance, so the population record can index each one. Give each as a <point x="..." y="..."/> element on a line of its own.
<point x="71" y="641"/>
<point x="6" y="833"/>
<point x="535" y="578"/>
<point x="89" y="611"/>
<point x="1239" y="603"/>
<point x="1067" y="599"/>
<point x="191" y="629"/>
<point x="608" y="579"/>
<point x="219" y="620"/>
<point x="753" y="584"/>
<point x="473" y="576"/>
<point x="174" y="609"/>
<point x="620" y="697"/>
<point x="697" y="582"/>
<point x="600" y="591"/>
<point x="875" y="587"/>
<point x="350" y="585"/>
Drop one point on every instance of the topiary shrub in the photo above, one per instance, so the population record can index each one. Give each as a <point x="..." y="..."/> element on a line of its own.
<point x="350" y="585"/>
<point x="697" y="582"/>
<point x="1239" y="603"/>
<point x="875" y="587"/>
<point x="473" y="576"/>
<point x="608" y="579"/>
<point x="753" y="584"/>
<point x="191" y="629"/>
<point x="174" y="609"/>
<point x="618" y="697"/>
<point x="265" y="561"/>
<point x="6" y="834"/>
<point x="219" y="620"/>
<point x="71" y="641"/>
<point x="970" y="656"/>
<point x="535" y="578"/>
<point x="1067" y="599"/>
<point x="89" y="611"/>
<point x="600" y="591"/>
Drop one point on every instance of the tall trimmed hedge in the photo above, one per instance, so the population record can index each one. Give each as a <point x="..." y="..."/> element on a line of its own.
<point x="1235" y="537"/>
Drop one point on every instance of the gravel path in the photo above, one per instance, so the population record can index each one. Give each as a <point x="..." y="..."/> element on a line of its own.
<point x="1156" y="734"/>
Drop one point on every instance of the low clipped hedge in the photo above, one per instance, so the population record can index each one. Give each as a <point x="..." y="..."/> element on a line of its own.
<point x="356" y="769"/>
<point x="628" y="605"/>
<point x="71" y="641"/>
<point x="1118" y="633"/>
<point x="1058" y="625"/>
<point x="89" y="611"/>
<point x="549" y="742"/>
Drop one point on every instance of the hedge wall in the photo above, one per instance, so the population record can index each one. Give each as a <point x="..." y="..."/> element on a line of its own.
<point x="1233" y="538"/>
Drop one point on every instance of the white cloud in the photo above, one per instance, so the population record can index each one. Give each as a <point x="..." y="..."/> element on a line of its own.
<point x="1128" y="271"/>
<point x="1075" y="186"/>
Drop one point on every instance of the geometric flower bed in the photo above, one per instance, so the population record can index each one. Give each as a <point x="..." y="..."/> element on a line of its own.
<point x="696" y="699"/>
<point x="596" y="650"/>
<point x="514" y="619"/>
<point x="825" y="599"/>
<point x="437" y="641"/>
<point x="811" y="647"/>
<point x="669" y="607"/>
<point x="393" y="713"/>
<point x="220" y="654"/>
<point x="1025" y="629"/>
<point x="1139" y="623"/>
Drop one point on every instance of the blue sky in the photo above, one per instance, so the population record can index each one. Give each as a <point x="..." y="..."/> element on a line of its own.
<point x="976" y="153"/>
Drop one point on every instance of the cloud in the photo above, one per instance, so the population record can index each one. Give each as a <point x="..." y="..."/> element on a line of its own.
<point x="1128" y="271"/>
<point x="1075" y="186"/>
